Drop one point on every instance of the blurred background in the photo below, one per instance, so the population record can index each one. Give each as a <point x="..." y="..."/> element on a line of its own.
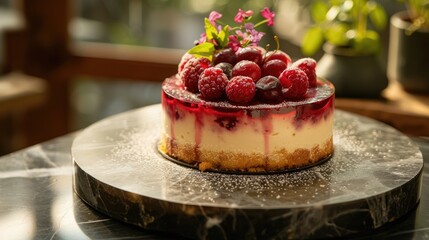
<point x="66" y="64"/>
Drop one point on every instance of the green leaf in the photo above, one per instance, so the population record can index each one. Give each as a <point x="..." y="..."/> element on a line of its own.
<point x="368" y="44"/>
<point x="216" y="38"/>
<point x="223" y="37"/>
<point x="312" y="42"/>
<point x="318" y="11"/>
<point x="210" y="29"/>
<point x="378" y="15"/>
<point x="336" y="2"/>
<point x="337" y="34"/>
<point x="205" y="50"/>
<point x="333" y="13"/>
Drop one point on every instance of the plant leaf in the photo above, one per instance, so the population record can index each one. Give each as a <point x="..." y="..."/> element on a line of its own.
<point x="205" y="49"/>
<point x="378" y="15"/>
<point x="368" y="44"/>
<point x="337" y="34"/>
<point x="333" y="13"/>
<point x="312" y="42"/>
<point x="318" y="11"/>
<point x="223" y="37"/>
<point x="210" y="29"/>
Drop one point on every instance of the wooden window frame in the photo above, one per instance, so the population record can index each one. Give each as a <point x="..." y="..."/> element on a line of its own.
<point x="43" y="48"/>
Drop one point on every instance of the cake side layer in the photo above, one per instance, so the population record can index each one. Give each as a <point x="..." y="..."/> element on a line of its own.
<point x="260" y="135"/>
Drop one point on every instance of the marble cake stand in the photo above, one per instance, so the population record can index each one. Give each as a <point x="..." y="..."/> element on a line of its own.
<point x="373" y="178"/>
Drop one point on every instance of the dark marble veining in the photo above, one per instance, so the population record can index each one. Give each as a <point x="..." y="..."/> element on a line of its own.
<point x="37" y="201"/>
<point x="373" y="178"/>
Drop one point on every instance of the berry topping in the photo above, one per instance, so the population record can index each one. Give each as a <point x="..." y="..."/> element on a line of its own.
<point x="192" y="71"/>
<point x="240" y="89"/>
<point x="278" y="54"/>
<point x="225" y="55"/>
<point x="185" y="58"/>
<point x="273" y="67"/>
<point x="294" y="82"/>
<point x="212" y="84"/>
<point x="269" y="89"/>
<point x="247" y="68"/>
<point x="249" y="53"/>
<point x="308" y="65"/>
<point x="226" y="68"/>
<point x="235" y="53"/>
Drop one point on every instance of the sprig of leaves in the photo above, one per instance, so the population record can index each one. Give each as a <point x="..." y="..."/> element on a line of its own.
<point x="214" y="40"/>
<point x="217" y="37"/>
<point x="418" y="10"/>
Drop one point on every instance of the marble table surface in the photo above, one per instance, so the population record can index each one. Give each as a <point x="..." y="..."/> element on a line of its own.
<point x="37" y="201"/>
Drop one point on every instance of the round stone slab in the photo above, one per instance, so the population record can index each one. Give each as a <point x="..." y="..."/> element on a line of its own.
<point x="374" y="177"/>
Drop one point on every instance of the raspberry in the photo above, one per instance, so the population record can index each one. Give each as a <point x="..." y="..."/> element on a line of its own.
<point x="247" y="68"/>
<point x="308" y="65"/>
<point x="294" y="82"/>
<point x="240" y="89"/>
<point x="277" y="54"/>
<point x="185" y="58"/>
<point x="192" y="71"/>
<point x="249" y="53"/>
<point x="273" y="68"/>
<point x="212" y="84"/>
<point x="225" y="55"/>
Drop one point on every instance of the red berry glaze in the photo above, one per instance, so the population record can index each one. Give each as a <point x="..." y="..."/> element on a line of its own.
<point x="212" y="84"/>
<point x="192" y="71"/>
<point x="273" y="68"/>
<point x="247" y="68"/>
<point x="308" y="65"/>
<point x="240" y="89"/>
<point x="249" y="53"/>
<point x="294" y="82"/>
<point x="225" y="55"/>
<point x="278" y="54"/>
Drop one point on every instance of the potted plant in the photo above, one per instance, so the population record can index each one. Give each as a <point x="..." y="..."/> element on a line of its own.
<point x="408" y="57"/>
<point x="351" y="59"/>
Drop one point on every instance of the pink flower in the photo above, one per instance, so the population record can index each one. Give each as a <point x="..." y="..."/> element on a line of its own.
<point x="203" y="38"/>
<point x="214" y="16"/>
<point x="249" y="26"/>
<point x="267" y="14"/>
<point x="250" y="36"/>
<point x="240" y="34"/>
<point x="255" y="36"/>
<point x="241" y="15"/>
<point x="234" y="43"/>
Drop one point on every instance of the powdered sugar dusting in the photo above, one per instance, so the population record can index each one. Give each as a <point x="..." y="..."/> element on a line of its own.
<point x="122" y="151"/>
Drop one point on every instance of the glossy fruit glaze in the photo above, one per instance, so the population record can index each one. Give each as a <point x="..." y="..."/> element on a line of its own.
<point x="315" y="105"/>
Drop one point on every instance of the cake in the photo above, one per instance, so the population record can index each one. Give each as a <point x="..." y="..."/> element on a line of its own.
<point x="234" y="106"/>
